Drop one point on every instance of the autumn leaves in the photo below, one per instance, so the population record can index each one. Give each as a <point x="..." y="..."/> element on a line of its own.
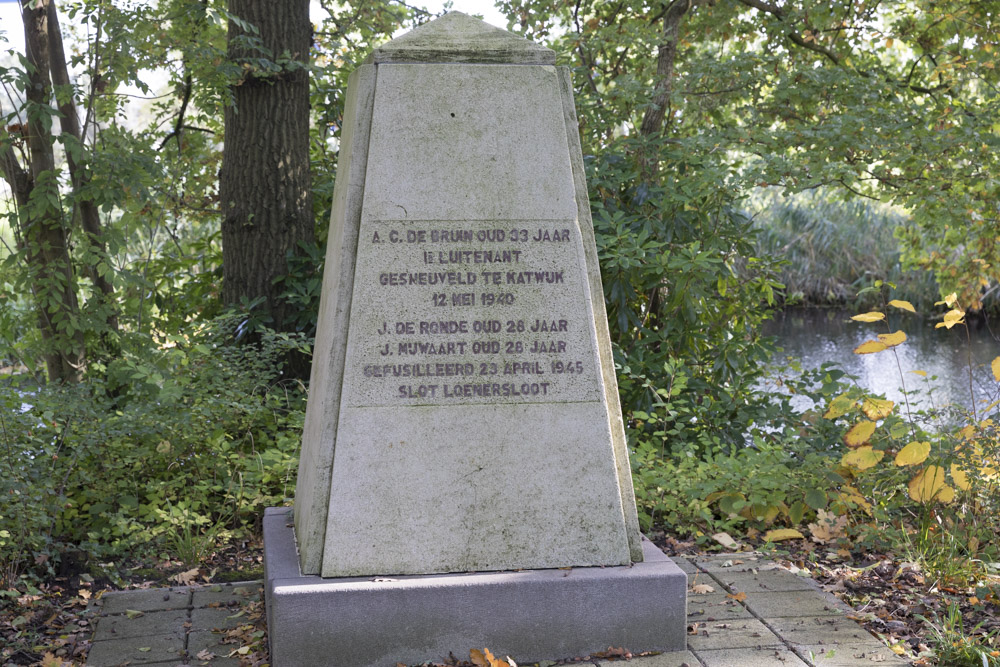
<point x="958" y="459"/>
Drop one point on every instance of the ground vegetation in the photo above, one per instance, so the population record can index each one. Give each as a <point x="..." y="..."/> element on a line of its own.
<point x="148" y="416"/>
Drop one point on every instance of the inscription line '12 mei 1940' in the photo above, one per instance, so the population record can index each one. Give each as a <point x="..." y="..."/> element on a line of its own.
<point x="494" y="347"/>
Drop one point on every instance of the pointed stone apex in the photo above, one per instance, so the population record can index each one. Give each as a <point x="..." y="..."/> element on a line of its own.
<point x="460" y="38"/>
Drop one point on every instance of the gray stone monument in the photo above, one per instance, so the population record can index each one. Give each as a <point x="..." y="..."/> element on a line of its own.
<point x="464" y="480"/>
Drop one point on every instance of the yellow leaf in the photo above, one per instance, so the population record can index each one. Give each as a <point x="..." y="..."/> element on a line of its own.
<point x="702" y="589"/>
<point x="922" y="374"/>
<point x="902" y="305"/>
<point x="873" y="316"/>
<point x="898" y="649"/>
<point x="739" y="597"/>
<point x="839" y="407"/>
<point x="870" y="346"/>
<point x="862" y="458"/>
<point x="782" y="534"/>
<point x="849" y="494"/>
<point x="951" y="318"/>
<point x="893" y="339"/>
<point x="929" y="485"/>
<point x="948" y="300"/>
<point x="477" y="658"/>
<point x="859" y="434"/>
<point x="913" y="454"/>
<point x="877" y="408"/>
<point x="888" y="43"/>
<point x="995" y="366"/>
<point x="968" y="433"/>
<point x="959" y="477"/>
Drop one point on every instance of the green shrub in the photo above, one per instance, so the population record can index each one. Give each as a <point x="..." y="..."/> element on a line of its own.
<point x="176" y="447"/>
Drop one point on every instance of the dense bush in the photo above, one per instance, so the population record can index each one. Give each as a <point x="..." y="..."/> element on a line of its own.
<point x="175" y="448"/>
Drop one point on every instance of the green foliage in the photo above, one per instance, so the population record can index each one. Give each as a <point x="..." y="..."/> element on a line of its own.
<point x="955" y="646"/>
<point x="757" y="487"/>
<point x="182" y="448"/>
<point x="930" y="486"/>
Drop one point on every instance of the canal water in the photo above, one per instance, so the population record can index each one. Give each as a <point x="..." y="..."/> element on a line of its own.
<point x="817" y="336"/>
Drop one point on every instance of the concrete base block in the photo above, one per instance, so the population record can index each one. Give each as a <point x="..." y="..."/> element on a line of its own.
<point x="530" y="615"/>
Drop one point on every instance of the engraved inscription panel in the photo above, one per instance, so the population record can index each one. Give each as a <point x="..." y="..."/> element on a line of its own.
<point x="459" y="312"/>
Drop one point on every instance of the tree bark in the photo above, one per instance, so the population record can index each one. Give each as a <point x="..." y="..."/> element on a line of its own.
<point x="264" y="182"/>
<point x="44" y="233"/>
<point x="652" y="119"/>
<point x="90" y="219"/>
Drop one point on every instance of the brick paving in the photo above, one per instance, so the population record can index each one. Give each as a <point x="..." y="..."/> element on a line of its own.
<point x="743" y="611"/>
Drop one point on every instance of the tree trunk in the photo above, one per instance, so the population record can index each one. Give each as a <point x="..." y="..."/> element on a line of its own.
<point x="44" y="233"/>
<point x="264" y="183"/>
<point x="89" y="218"/>
<point x="652" y="120"/>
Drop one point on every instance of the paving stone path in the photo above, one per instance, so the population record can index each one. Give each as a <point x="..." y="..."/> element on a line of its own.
<point x="163" y="626"/>
<point x="783" y="620"/>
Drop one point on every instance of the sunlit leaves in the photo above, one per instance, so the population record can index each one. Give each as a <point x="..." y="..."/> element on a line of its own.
<point x="913" y="454"/>
<point x="951" y="318"/>
<point x="862" y="458"/>
<point x="995" y="367"/>
<point x="929" y="485"/>
<point x="851" y="496"/>
<point x="485" y="658"/>
<point x="870" y="347"/>
<point x="877" y="408"/>
<point x="960" y="478"/>
<point x="893" y="339"/>
<point x="839" y="406"/>
<point x="782" y="534"/>
<point x="902" y="305"/>
<point x="949" y="300"/>
<point x="859" y="434"/>
<point x="873" y="316"/>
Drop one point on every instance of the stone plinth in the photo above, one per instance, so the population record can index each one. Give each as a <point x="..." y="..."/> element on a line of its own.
<point x="531" y="615"/>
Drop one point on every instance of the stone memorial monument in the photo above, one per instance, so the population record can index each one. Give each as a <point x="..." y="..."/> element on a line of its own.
<point x="464" y="480"/>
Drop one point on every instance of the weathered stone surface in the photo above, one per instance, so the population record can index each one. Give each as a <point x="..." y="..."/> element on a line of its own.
<point x="464" y="479"/>
<point x="851" y="655"/>
<point x="821" y="630"/>
<point x="789" y="605"/>
<point x="142" y="650"/>
<point x="471" y="422"/>
<point x="119" y="602"/>
<point x="768" y="581"/>
<point x="149" y="623"/>
<point x="735" y="633"/>
<point x="753" y="657"/>
<point x="531" y="615"/>
<point x="319" y="438"/>
<point x="715" y="607"/>
<point x="458" y="38"/>
<point x="226" y="595"/>
<point x="669" y="659"/>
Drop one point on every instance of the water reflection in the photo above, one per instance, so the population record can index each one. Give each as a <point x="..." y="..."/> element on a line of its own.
<point x="816" y="336"/>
